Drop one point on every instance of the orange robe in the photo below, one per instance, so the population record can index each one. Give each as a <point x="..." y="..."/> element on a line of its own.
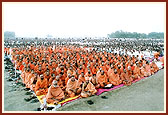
<point x="21" y="67"/>
<point x="41" y="87"/>
<point x="23" y="76"/>
<point x="148" y="69"/>
<point x="110" y="71"/>
<point x="72" y="73"/>
<point x="54" y="95"/>
<point x="51" y="80"/>
<point x="115" y="79"/>
<point x="144" y="72"/>
<point x="40" y="72"/>
<point x="63" y="77"/>
<point x="66" y="80"/>
<point x="81" y="80"/>
<point x="71" y="87"/>
<point x="88" y="75"/>
<point x="47" y="76"/>
<point x="33" y="83"/>
<point x="58" y="70"/>
<point x="155" y="67"/>
<point x="80" y="71"/>
<point x="136" y="72"/>
<point x="89" y="88"/>
<point x="94" y="70"/>
<point x="29" y="80"/>
<point x="54" y="72"/>
<point x="101" y="79"/>
<point x="126" y="79"/>
<point x="60" y="83"/>
<point x="26" y="77"/>
<point x="162" y="60"/>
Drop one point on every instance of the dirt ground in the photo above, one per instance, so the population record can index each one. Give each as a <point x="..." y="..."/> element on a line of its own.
<point x="14" y="97"/>
<point x="145" y="95"/>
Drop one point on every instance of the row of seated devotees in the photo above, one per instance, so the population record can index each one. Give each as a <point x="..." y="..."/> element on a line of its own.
<point x="58" y="85"/>
<point x="63" y="74"/>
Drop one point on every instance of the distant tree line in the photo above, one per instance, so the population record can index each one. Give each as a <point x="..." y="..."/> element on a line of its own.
<point x="122" y="34"/>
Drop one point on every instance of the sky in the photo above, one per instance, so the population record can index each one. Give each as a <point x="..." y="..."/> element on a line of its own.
<point x="82" y="19"/>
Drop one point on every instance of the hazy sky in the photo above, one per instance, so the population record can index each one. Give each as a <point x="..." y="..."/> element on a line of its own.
<point x="77" y="19"/>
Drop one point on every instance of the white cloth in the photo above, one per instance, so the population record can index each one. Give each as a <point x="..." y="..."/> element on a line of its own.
<point x="159" y="64"/>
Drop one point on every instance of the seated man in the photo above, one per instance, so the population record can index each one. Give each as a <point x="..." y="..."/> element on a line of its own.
<point x="144" y="71"/>
<point x="114" y="78"/>
<point x="41" y="86"/>
<point x="28" y="72"/>
<point x="93" y="80"/>
<point x="88" y="89"/>
<point x="72" y="87"/>
<point x="63" y="75"/>
<point x="55" y="93"/>
<point x="51" y="79"/>
<point x="53" y="71"/>
<point x="47" y="74"/>
<point x="88" y="74"/>
<point x="110" y="70"/>
<point x="126" y="78"/>
<point x="130" y="74"/>
<point x="152" y="70"/>
<point x="23" y="74"/>
<point x="33" y="82"/>
<point x="31" y="75"/>
<point x="81" y="79"/>
<point x="156" y="55"/>
<point x="40" y="71"/>
<point x="67" y="78"/>
<point x="148" y="68"/>
<point x="72" y="72"/>
<point x="59" y="82"/>
<point x="101" y="79"/>
<point x="136" y="71"/>
<point x="155" y="67"/>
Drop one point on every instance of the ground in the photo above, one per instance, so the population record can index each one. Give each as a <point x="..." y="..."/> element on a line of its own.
<point x="145" y="95"/>
<point x="14" y="100"/>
